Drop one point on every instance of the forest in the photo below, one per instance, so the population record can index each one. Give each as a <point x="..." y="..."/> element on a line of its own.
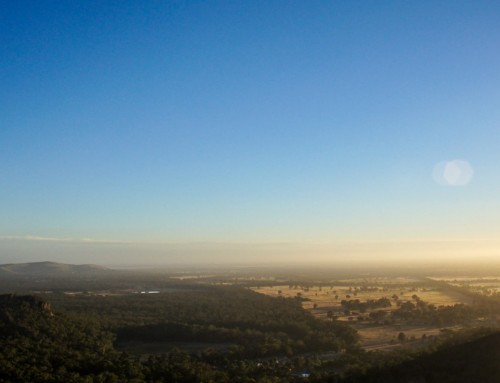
<point x="155" y="328"/>
<point x="77" y="338"/>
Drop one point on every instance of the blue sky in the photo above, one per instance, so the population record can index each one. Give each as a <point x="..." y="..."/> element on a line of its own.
<point x="248" y="121"/>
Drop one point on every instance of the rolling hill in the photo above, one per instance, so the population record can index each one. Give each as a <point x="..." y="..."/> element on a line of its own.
<point x="49" y="269"/>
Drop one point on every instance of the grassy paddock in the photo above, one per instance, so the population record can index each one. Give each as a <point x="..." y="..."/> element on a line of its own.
<point x="319" y="300"/>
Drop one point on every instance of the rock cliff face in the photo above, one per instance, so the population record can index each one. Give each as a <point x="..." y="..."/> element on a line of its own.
<point x="25" y="316"/>
<point x="8" y="301"/>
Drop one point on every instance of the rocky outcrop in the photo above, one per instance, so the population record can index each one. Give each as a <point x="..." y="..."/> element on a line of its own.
<point x="8" y="301"/>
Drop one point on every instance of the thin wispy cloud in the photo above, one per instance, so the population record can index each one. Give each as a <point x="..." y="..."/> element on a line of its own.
<point x="34" y="238"/>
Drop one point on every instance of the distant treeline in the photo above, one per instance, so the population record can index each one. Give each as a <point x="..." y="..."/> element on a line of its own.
<point x="356" y="304"/>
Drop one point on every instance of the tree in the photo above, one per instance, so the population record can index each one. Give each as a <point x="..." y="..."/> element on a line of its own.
<point x="401" y="337"/>
<point x="377" y="315"/>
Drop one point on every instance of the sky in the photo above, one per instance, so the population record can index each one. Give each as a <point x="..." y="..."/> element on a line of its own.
<point x="249" y="130"/>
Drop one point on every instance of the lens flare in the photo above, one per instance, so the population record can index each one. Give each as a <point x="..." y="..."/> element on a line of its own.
<point x="453" y="173"/>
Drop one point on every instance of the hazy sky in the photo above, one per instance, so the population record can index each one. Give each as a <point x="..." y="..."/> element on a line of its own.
<point x="246" y="123"/>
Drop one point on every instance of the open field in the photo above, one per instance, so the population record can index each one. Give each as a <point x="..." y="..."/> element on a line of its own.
<point x="320" y="300"/>
<point x="386" y="337"/>
<point x="325" y="301"/>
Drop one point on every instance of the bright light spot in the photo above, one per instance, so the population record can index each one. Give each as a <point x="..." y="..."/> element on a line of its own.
<point x="453" y="173"/>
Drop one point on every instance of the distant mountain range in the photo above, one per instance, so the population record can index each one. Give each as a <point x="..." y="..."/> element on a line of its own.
<point x="53" y="269"/>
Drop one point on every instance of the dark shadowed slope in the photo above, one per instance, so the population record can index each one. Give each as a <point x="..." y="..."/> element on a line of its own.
<point x="470" y="362"/>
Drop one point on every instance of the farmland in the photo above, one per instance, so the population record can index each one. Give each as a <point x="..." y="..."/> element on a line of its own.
<point x="375" y="324"/>
<point x="278" y="323"/>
